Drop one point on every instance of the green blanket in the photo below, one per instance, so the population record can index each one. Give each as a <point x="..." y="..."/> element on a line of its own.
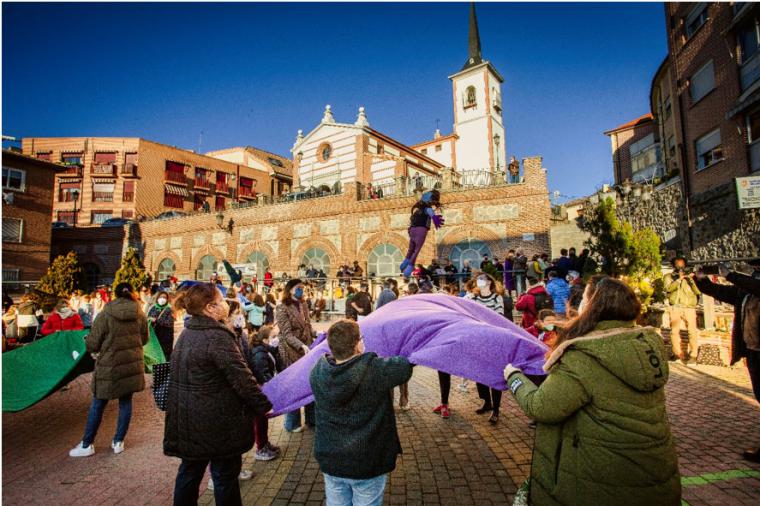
<point x="34" y="371"/>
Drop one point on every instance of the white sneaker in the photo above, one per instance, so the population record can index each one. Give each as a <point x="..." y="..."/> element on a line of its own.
<point x="405" y="407"/>
<point x="245" y="475"/>
<point x="210" y="484"/>
<point x="297" y="430"/>
<point x="118" y="447"/>
<point x="82" y="451"/>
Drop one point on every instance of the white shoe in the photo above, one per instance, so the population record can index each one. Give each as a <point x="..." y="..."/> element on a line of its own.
<point x="210" y="484"/>
<point x="118" y="447"/>
<point x="245" y="475"/>
<point x="405" y="407"/>
<point x="82" y="451"/>
<point x="297" y="430"/>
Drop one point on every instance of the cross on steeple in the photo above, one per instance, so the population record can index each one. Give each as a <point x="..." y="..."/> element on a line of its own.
<point x="474" y="56"/>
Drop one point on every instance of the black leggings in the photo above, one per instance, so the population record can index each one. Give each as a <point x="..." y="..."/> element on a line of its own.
<point x="490" y="396"/>
<point x="444" y="382"/>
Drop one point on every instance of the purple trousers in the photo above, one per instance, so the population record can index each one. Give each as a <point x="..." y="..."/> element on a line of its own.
<point x="417" y="237"/>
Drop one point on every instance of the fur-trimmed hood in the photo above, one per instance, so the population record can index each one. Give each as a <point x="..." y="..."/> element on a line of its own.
<point x="634" y="354"/>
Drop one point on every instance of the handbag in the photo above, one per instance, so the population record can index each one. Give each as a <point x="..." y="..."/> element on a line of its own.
<point x="161" y="384"/>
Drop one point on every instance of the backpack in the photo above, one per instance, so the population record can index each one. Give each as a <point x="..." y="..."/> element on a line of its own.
<point x="543" y="301"/>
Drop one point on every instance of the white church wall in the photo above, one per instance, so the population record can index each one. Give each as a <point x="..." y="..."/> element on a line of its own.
<point x="472" y="145"/>
<point x="342" y="161"/>
<point x="442" y="156"/>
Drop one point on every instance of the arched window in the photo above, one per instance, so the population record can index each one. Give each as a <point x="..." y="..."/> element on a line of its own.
<point x="471" y="250"/>
<point x="165" y="269"/>
<point x="470" y="98"/>
<point x="317" y="258"/>
<point x="260" y="261"/>
<point x="91" y="273"/>
<point x="206" y="268"/>
<point x="384" y="260"/>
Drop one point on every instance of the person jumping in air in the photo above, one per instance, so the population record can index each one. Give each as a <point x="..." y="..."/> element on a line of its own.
<point x="419" y="224"/>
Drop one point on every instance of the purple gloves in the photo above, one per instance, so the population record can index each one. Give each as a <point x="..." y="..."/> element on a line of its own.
<point x="438" y="221"/>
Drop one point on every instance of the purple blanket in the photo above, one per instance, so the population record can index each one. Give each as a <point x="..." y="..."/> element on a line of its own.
<point x="442" y="332"/>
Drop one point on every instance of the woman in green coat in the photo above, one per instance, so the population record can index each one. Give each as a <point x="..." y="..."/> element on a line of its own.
<point x="603" y="435"/>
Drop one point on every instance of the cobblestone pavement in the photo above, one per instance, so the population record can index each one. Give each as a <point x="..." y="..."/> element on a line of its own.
<point x="463" y="460"/>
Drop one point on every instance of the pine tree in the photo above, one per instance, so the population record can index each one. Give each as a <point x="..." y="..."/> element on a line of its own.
<point x="131" y="271"/>
<point x="61" y="277"/>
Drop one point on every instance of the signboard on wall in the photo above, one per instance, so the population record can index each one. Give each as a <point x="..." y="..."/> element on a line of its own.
<point x="529" y="237"/>
<point x="748" y="192"/>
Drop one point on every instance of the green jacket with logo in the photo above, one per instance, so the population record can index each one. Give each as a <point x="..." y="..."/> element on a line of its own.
<point x="603" y="436"/>
<point x="681" y="292"/>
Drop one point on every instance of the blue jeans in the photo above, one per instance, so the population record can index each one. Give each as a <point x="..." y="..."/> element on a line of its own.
<point x="96" y="415"/>
<point x="348" y="492"/>
<point x="293" y="418"/>
<point x="224" y="473"/>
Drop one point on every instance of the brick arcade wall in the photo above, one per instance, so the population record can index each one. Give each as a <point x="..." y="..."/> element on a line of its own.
<point x="347" y="228"/>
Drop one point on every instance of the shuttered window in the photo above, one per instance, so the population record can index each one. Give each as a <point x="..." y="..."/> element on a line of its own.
<point x="12" y="229"/>
<point x="702" y="82"/>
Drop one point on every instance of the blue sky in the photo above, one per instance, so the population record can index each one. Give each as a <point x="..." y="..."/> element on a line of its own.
<point x="253" y="74"/>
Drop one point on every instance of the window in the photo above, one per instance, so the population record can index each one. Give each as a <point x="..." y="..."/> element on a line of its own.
<point x="11" y="275"/>
<point x="44" y="156"/>
<point x="12" y="229"/>
<point x="696" y="18"/>
<point x="102" y="192"/>
<point x="380" y="149"/>
<point x="219" y="206"/>
<point x="127" y="214"/>
<point x="206" y="267"/>
<point x="128" y="192"/>
<point x="201" y="178"/>
<point x="317" y="258"/>
<point x="753" y="134"/>
<point x="174" y="200"/>
<point x="324" y="152"/>
<point x="247" y="186"/>
<point x="709" y="150"/>
<point x="175" y="172"/>
<point x="165" y="269"/>
<point x="702" y="82"/>
<point x="438" y="147"/>
<point x="470" y="99"/>
<point x="14" y="179"/>
<point x="105" y="158"/>
<point x="668" y="107"/>
<point x="261" y="262"/>
<point x="69" y="192"/>
<point x="470" y="251"/>
<point x="130" y="159"/>
<point x="423" y="151"/>
<point x="99" y="216"/>
<point x="72" y="159"/>
<point x="198" y="201"/>
<point x="749" y="43"/>
<point x="645" y="157"/>
<point x="221" y="182"/>
<point x="66" y="217"/>
<point x="384" y="260"/>
<point x="671" y="144"/>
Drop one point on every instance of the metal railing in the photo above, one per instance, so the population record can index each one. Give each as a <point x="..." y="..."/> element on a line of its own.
<point x="103" y="169"/>
<point x="129" y="169"/>
<point x="175" y="176"/>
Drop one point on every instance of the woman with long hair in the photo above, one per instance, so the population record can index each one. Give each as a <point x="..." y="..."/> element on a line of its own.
<point x="485" y="293"/>
<point x="603" y="435"/>
<point x="116" y="340"/>
<point x="212" y="399"/>
<point x="292" y="317"/>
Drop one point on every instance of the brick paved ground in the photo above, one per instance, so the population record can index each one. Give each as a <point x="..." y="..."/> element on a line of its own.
<point x="461" y="461"/>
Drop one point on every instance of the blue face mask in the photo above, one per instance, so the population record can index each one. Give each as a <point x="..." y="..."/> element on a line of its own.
<point x="298" y="293"/>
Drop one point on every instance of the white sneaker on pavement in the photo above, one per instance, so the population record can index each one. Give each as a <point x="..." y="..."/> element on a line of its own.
<point x="297" y="429"/>
<point x="245" y="475"/>
<point x="118" y="447"/>
<point x="265" y="454"/>
<point x="82" y="451"/>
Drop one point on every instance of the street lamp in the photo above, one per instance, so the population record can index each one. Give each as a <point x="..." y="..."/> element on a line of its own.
<point x="220" y="223"/>
<point x="497" y="141"/>
<point x="75" y="194"/>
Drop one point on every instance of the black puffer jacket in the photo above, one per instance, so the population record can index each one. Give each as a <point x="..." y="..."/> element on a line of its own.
<point x="212" y="394"/>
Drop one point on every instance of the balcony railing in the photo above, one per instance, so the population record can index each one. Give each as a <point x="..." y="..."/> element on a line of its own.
<point x="103" y="169"/>
<point x="247" y="191"/>
<point x="128" y="197"/>
<point x="129" y="169"/>
<point x="754" y="156"/>
<point x="72" y="171"/>
<point x="750" y="70"/>
<point x="102" y="196"/>
<point x="175" y="176"/>
<point x="202" y="182"/>
<point x="222" y="186"/>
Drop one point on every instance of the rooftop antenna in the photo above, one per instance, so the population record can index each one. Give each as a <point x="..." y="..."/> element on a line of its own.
<point x="437" y="121"/>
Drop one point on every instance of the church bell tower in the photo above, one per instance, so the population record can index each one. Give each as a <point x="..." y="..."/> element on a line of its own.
<point x="478" y="111"/>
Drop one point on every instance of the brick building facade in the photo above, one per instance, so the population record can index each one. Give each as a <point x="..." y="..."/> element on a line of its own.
<point x="635" y="151"/>
<point x="338" y="229"/>
<point x="114" y="177"/>
<point x="27" y="206"/>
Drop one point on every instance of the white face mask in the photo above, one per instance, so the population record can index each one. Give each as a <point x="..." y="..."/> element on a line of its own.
<point x="482" y="283"/>
<point x="161" y="301"/>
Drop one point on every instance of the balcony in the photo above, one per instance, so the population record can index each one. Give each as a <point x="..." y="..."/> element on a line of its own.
<point x="750" y="71"/>
<point x="202" y="182"/>
<point x="102" y="196"/>
<point x="72" y="171"/>
<point x="103" y="169"/>
<point x="248" y="192"/>
<point x="175" y="176"/>
<point x="222" y="187"/>
<point x="129" y="170"/>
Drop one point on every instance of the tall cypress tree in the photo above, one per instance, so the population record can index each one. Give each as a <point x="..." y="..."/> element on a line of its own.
<point x="132" y="271"/>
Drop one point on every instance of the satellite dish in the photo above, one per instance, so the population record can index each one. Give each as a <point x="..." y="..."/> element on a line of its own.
<point x="8" y="198"/>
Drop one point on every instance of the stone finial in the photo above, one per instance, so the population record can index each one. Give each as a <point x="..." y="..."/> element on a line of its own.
<point x="361" y="118"/>
<point x="328" y="117"/>
<point x="437" y="133"/>
<point x="299" y="139"/>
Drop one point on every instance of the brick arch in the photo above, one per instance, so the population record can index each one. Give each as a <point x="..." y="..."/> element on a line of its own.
<point x="161" y="257"/>
<point x="326" y="245"/>
<point x="258" y="246"/>
<point x="471" y="231"/>
<point x="202" y="252"/>
<point x="394" y="238"/>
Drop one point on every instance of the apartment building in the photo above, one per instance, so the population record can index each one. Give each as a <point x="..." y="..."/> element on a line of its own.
<point x="132" y="178"/>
